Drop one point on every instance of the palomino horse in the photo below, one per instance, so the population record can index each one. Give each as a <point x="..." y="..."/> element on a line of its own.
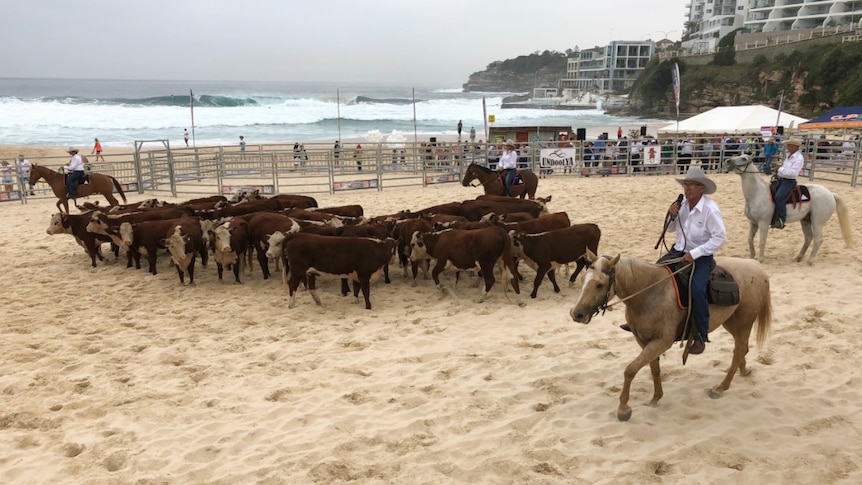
<point x="653" y="314"/>
<point x="492" y="182"/>
<point x="813" y="215"/>
<point x="99" y="184"/>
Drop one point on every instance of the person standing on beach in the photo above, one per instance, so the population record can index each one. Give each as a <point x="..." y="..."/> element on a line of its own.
<point x="336" y="151"/>
<point x="460" y="126"/>
<point x="508" y="165"/>
<point x="472" y="134"/>
<point x="186" y="136"/>
<point x="24" y="172"/>
<point x="619" y="132"/>
<point x="242" y="147"/>
<point x="357" y="155"/>
<point x="97" y="149"/>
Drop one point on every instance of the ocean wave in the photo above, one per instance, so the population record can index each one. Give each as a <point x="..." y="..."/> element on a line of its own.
<point x="167" y="100"/>
<point x="370" y="100"/>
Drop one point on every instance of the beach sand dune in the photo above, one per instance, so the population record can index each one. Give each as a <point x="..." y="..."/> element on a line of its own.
<point x="111" y="375"/>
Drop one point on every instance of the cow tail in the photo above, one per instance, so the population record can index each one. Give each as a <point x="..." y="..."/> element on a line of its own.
<point x="118" y="187"/>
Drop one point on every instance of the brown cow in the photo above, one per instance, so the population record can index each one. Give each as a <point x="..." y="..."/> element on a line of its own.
<point x="474" y="209"/>
<point x="358" y="258"/>
<point x="148" y="237"/>
<point x="230" y="244"/>
<point x="354" y="210"/>
<point x="295" y="201"/>
<point x="184" y="241"/>
<point x="262" y="227"/>
<point x="464" y="249"/>
<point x="546" y="251"/>
<point x="557" y="220"/>
<point x="403" y="232"/>
<point x="76" y="225"/>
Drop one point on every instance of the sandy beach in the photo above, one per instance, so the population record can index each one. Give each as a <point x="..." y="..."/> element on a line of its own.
<point x="112" y="375"/>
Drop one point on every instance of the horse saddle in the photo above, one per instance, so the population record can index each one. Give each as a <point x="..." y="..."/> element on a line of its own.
<point x="722" y="289"/>
<point x="84" y="180"/>
<point x="798" y="195"/>
<point x="519" y="179"/>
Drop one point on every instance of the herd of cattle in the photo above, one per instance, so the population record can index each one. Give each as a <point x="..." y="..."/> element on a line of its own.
<point x="307" y="240"/>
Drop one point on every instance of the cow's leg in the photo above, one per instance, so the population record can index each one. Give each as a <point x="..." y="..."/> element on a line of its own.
<point x="237" y="268"/>
<point x="220" y="270"/>
<point x="365" y="283"/>
<point x="386" y="274"/>
<point x="133" y="255"/>
<point x="293" y="284"/>
<point x="264" y="262"/>
<point x="487" y="273"/>
<point x="205" y="254"/>
<point x="552" y="277"/>
<point x="403" y="259"/>
<point x="181" y="274"/>
<point x="312" y="288"/>
<point x="151" y="258"/>
<point x="541" y="270"/>
<point x="581" y="263"/>
<point x="435" y="273"/>
<point x="191" y="270"/>
<point x="345" y="287"/>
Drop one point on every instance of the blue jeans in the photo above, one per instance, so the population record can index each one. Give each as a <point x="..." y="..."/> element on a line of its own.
<point x="508" y="179"/>
<point x="784" y="188"/>
<point x="699" y="302"/>
<point x="72" y="182"/>
<point x="767" y="165"/>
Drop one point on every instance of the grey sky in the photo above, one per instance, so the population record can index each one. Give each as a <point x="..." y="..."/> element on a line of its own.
<point x="417" y="41"/>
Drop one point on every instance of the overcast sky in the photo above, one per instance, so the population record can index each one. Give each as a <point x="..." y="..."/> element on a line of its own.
<point x="403" y="41"/>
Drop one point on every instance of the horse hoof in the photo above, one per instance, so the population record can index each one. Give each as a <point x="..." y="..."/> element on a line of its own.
<point x="714" y="394"/>
<point x="624" y="416"/>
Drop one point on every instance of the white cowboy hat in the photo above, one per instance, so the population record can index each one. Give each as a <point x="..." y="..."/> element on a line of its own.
<point x="510" y="143"/>
<point x="72" y="149"/>
<point x="793" y="141"/>
<point x="696" y="174"/>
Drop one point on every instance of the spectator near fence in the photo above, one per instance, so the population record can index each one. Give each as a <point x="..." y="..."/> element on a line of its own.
<point x="6" y="172"/>
<point x="24" y="172"/>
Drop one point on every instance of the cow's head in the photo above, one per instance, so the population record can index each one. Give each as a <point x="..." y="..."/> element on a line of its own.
<point x="418" y="251"/>
<point x="544" y="203"/>
<point x="176" y="243"/>
<point x="221" y="237"/>
<point x="517" y="243"/>
<point x="127" y="235"/>
<point x="58" y="224"/>
<point x="276" y="240"/>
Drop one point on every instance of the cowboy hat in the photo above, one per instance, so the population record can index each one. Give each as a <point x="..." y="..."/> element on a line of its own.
<point x="72" y="149"/>
<point x="793" y="141"/>
<point x="510" y="143"/>
<point x="696" y="174"/>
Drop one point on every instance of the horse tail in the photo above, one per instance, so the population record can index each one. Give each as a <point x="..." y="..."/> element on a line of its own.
<point x="844" y="221"/>
<point x="764" y="318"/>
<point x="118" y="187"/>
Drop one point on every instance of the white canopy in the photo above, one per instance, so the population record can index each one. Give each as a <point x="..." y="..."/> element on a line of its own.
<point x="736" y="120"/>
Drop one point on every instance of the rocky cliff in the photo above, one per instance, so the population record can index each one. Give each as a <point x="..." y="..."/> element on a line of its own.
<point x="520" y="74"/>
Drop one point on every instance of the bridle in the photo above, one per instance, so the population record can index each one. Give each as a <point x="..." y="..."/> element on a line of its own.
<point x="741" y="168"/>
<point x="612" y="275"/>
<point x="488" y="180"/>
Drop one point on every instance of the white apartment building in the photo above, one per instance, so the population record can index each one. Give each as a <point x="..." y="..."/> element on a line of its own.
<point x="710" y="20"/>
<point x="779" y="15"/>
<point x="613" y="67"/>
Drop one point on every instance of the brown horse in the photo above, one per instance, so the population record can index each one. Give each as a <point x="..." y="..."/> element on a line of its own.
<point x="99" y="184"/>
<point x="492" y="182"/>
<point x="653" y="314"/>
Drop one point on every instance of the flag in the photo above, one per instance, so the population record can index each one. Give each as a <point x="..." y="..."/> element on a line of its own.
<point x="192" y="109"/>
<point x="676" y="86"/>
<point x="485" y="117"/>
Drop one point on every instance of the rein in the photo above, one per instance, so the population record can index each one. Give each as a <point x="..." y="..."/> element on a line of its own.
<point x="605" y="305"/>
<point x="485" y="182"/>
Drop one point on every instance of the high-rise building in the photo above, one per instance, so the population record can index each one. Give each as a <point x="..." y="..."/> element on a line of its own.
<point x="779" y="15"/>
<point x="613" y="67"/>
<point x="710" y="20"/>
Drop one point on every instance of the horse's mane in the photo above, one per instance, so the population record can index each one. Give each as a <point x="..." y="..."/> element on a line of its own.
<point x="484" y="169"/>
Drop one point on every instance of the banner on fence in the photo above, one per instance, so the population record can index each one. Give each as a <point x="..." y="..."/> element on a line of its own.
<point x="354" y="185"/>
<point x="238" y="189"/>
<point x="442" y="179"/>
<point x="558" y="157"/>
<point x="11" y="195"/>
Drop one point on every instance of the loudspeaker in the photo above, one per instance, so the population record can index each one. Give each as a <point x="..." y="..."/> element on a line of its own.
<point x="433" y="139"/>
<point x="582" y="134"/>
<point x="780" y="130"/>
<point x="643" y="130"/>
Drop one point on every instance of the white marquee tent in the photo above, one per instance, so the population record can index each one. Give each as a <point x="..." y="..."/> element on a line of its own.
<point x="737" y="120"/>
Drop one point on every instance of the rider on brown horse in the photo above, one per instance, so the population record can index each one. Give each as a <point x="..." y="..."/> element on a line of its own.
<point x="76" y="172"/>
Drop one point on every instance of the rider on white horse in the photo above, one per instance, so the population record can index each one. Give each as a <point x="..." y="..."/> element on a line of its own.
<point x="787" y="173"/>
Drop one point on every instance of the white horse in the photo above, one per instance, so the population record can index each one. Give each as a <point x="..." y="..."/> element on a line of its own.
<point x="813" y="215"/>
